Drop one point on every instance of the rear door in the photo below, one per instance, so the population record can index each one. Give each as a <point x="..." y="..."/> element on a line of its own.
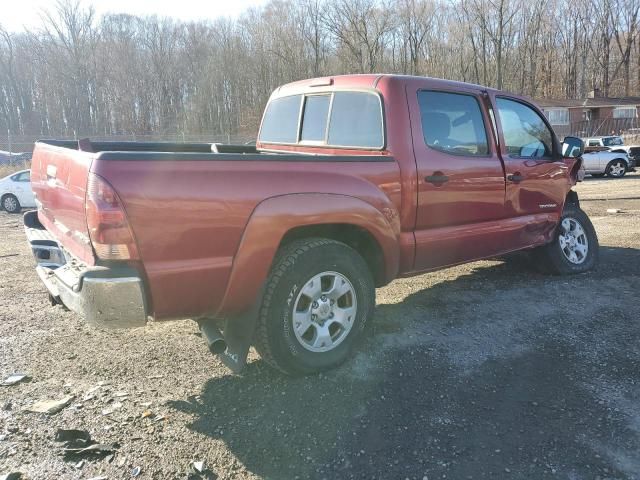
<point x="537" y="176"/>
<point x="592" y="161"/>
<point x="461" y="182"/>
<point x="22" y="187"/>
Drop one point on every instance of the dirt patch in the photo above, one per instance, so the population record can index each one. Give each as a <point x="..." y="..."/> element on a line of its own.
<point x="487" y="370"/>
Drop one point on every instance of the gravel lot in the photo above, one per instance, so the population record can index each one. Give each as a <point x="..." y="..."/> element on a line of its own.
<point x="487" y="370"/>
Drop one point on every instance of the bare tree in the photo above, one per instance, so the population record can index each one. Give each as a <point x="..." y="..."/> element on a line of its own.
<point x="127" y="75"/>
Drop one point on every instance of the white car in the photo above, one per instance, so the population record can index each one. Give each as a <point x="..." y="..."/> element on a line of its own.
<point x="615" y="144"/>
<point x="612" y="164"/>
<point x="16" y="193"/>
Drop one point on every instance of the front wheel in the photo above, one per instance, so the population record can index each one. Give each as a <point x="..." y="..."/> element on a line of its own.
<point x="616" y="168"/>
<point x="574" y="248"/>
<point x="318" y="298"/>
<point x="11" y="204"/>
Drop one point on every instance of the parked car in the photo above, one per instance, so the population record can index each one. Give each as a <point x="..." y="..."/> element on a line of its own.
<point x="16" y="193"/>
<point x="599" y="163"/>
<point x="353" y="182"/>
<point x="615" y="144"/>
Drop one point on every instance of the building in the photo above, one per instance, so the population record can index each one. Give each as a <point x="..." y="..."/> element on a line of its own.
<point x="592" y="116"/>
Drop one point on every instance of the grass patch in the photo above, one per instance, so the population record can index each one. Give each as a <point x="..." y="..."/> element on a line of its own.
<point x="6" y="170"/>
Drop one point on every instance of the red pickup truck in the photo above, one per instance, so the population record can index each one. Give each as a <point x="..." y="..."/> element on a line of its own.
<point x="354" y="180"/>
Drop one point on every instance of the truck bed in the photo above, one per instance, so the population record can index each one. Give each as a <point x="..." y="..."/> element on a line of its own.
<point x="188" y="206"/>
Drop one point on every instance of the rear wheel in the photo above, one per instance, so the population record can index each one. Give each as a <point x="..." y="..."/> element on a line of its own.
<point x="574" y="248"/>
<point x="10" y="203"/>
<point x="617" y="168"/>
<point x="317" y="301"/>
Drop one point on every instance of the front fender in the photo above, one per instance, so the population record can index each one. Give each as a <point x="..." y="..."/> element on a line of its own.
<point x="274" y="217"/>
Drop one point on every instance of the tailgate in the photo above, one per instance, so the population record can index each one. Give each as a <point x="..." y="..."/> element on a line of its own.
<point x="59" y="180"/>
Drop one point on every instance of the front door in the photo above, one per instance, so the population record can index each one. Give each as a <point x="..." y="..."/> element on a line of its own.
<point x="461" y="184"/>
<point x="537" y="177"/>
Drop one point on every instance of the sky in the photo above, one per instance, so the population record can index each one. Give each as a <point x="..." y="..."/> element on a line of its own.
<point x="18" y="14"/>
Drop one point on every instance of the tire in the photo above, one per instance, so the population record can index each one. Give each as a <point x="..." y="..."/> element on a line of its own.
<point x="616" y="168"/>
<point x="11" y="204"/>
<point x="288" y="337"/>
<point x="564" y="256"/>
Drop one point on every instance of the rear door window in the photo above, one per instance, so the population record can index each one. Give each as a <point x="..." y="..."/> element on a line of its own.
<point x="453" y="123"/>
<point x="21" y="177"/>
<point x="280" y="123"/>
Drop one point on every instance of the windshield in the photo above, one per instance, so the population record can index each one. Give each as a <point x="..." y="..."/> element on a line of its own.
<point x="611" y="141"/>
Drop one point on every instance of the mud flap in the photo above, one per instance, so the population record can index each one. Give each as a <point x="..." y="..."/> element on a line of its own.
<point x="238" y="333"/>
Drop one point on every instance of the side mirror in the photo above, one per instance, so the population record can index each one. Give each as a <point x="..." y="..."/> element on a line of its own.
<point x="572" y="147"/>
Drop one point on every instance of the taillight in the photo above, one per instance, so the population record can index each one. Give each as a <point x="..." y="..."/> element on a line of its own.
<point x="109" y="229"/>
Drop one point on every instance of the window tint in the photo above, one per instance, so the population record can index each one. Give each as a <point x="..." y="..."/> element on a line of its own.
<point x="594" y="143"/>
<point x="280" y="124"/>
<point x="452" y="123"/>
<point x="356" y="120"/>
<point x="314" y="121"/>
<point x="525" y="133"/>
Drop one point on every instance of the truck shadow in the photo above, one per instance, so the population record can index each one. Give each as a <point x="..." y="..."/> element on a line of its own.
<point x="474" y="376"/>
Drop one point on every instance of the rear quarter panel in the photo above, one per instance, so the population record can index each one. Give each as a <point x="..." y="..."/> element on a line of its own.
<point x="188" y="217"/>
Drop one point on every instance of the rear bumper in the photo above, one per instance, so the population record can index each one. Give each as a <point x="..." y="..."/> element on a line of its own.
<point x="108" y="297"/>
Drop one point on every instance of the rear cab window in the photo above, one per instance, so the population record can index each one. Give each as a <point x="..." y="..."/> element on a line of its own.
<point x="342" y="119"/>
<point x="280" y="123"/>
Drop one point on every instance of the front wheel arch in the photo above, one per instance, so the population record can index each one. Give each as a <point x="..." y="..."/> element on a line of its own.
<point x="572" y="199"/>
<point x="549" y="259"/>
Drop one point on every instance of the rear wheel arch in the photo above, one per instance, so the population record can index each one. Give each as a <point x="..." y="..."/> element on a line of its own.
<point x="356" y="237"/>
<point x="277" y="221"/>
<point x="10" y="195"/>
<point x="310" y="339"/>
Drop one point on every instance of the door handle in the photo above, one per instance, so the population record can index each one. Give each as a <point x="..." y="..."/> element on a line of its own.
<point x="437" y="178"/>
<point x="515" y="178"/>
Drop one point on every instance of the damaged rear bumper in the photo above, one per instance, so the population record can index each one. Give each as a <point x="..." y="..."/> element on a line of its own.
<point x="108" y="297"/>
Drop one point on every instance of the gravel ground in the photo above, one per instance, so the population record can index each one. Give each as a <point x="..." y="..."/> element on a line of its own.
<point x="487" y="370"/>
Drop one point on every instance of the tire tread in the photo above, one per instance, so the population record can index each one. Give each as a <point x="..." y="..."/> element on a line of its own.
<point x="285" y="259"/>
